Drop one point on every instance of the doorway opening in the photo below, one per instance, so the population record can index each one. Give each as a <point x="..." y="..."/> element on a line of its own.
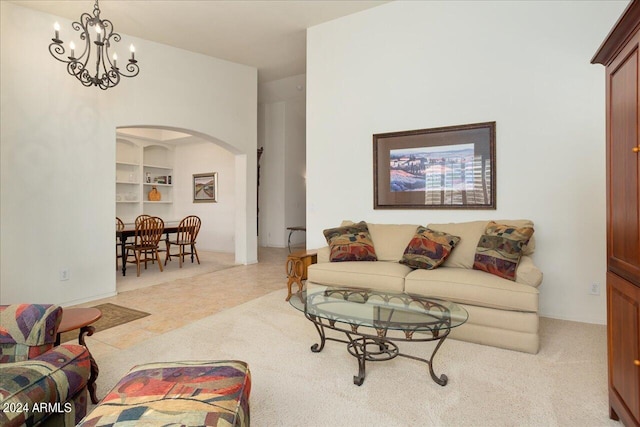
<point x="155" y="168"/>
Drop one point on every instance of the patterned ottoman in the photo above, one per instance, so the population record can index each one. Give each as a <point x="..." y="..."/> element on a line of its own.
<point x="192" y="393"/>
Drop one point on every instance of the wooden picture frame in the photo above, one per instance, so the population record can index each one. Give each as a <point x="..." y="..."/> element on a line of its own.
<point x="450" y="167"/>
<point x="205" y="187"/>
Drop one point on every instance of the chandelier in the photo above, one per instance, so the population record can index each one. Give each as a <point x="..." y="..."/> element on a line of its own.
<point x="107" y="73"/>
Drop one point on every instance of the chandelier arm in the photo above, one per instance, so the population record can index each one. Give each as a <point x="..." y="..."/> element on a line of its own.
<point x="132" y="68"/>
<point x="82" y="26"/>
<point x="57" y="50"/>
<point x="112" y="79"/>
<point x="111" y="74"/>
<point x="77" y="70"/>
<point x="107" y="45"/>
<point x="107" y="26"/>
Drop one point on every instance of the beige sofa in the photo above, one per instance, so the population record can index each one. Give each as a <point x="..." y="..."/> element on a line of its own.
<point x="502" y="313"/>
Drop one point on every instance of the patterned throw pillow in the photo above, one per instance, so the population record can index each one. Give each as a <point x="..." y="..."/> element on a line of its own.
<point x="350" y="243"/>
<point x="428" y="248"/>
<point x="500" y="248"/>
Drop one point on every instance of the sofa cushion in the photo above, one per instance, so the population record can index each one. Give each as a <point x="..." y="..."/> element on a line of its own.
<point x="350" y="243"/>
<point x="500" y="248"/>
<point x="378" y="275"/>
<point x="428" y="249"/>
<point x="390" y="240"/>
<point x="469" y="233"/>
<point x="473" y="287"/>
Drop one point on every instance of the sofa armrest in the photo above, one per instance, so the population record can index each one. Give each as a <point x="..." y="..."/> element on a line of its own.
<point x="323" y="254"/>
<point x="28" y="330"/>
<point x="527" y="272"/>
<point x="56" y="376"/>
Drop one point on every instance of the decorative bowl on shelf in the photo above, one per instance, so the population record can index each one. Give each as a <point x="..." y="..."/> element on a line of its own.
<point x="130" y="197"/>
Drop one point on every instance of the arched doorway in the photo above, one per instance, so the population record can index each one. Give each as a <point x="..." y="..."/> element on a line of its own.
<point x="167" y="159"/>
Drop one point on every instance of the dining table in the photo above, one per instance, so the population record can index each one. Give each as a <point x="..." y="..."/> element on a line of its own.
<point x="129" y="230"/>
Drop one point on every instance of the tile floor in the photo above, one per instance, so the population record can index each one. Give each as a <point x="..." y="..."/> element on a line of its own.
<point x="178" y="297"/>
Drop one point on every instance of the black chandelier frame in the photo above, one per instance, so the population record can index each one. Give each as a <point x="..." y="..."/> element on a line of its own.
<point x="107" y="74"/>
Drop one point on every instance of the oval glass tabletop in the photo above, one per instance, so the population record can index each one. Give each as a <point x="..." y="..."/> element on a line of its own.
<point x="377" y="309"/>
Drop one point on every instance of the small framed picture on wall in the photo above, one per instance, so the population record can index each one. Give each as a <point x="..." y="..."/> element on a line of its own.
<point x="205" y="187"/>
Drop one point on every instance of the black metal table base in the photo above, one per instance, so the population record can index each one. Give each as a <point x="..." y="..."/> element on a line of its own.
<point x="367" y="347"/>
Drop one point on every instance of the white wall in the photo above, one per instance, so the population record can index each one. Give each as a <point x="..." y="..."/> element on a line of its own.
<point x="218" y="231"/>
<point x="281" y="131"/>
<point x="272" y="176"/>
<point x="295" y="171"/>
<point x="525" y="65"/>
<point x="58" y="152"/>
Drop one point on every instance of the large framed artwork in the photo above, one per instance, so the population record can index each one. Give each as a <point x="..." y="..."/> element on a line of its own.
<point x="205" y="187"/>
<point x="441" y="168"/>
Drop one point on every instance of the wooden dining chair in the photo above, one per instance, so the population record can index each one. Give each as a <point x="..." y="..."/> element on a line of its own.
<point x="141" y="218"/>
<point x="145" y="247"/>
<point x="119" y="227"/>
<point x="186" y="236"/>
<point x="138" y="220"/>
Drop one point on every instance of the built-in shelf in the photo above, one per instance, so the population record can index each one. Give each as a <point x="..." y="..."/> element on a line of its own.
<point x="137" y="161"/>
<point x="158" y="167"/>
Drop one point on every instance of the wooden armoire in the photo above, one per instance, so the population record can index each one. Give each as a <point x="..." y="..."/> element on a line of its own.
<point x="620" y="54"/>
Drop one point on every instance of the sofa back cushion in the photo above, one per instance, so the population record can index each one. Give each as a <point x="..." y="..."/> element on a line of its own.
<point x="390" y="240"/>
<point x="469" y="232"/>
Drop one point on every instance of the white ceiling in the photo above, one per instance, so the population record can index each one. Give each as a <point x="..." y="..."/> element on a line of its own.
<point x="268" y="35"/>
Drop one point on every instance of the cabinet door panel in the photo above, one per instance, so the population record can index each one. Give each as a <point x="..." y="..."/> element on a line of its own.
<point x="624" y="209"/>
<point x="624" y="338"/>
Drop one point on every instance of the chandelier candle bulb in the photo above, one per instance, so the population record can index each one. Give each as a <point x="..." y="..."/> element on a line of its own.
<point x="72" y="46"/>
<point x="115" y="60"/>
<point x="133" y="52"/>
<point x="56" y="28"/>
<point x="98" y="32"/>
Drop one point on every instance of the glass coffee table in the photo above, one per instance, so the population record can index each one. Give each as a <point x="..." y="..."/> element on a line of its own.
<point x="373" y="320"/>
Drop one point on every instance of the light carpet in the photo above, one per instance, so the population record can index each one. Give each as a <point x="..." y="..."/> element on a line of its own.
<point x="565" y="384"/>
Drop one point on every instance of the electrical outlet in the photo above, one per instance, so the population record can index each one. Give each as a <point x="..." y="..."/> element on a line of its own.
<point x="594" y="289"/>
<point x="64" y="274"/>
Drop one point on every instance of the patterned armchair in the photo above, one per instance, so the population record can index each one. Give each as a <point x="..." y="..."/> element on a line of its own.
<point x="39" y="381"/>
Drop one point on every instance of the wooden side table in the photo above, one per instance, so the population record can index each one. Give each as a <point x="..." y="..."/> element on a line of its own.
<point x="296" y="267"/>
<point x="82" y="318"/>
